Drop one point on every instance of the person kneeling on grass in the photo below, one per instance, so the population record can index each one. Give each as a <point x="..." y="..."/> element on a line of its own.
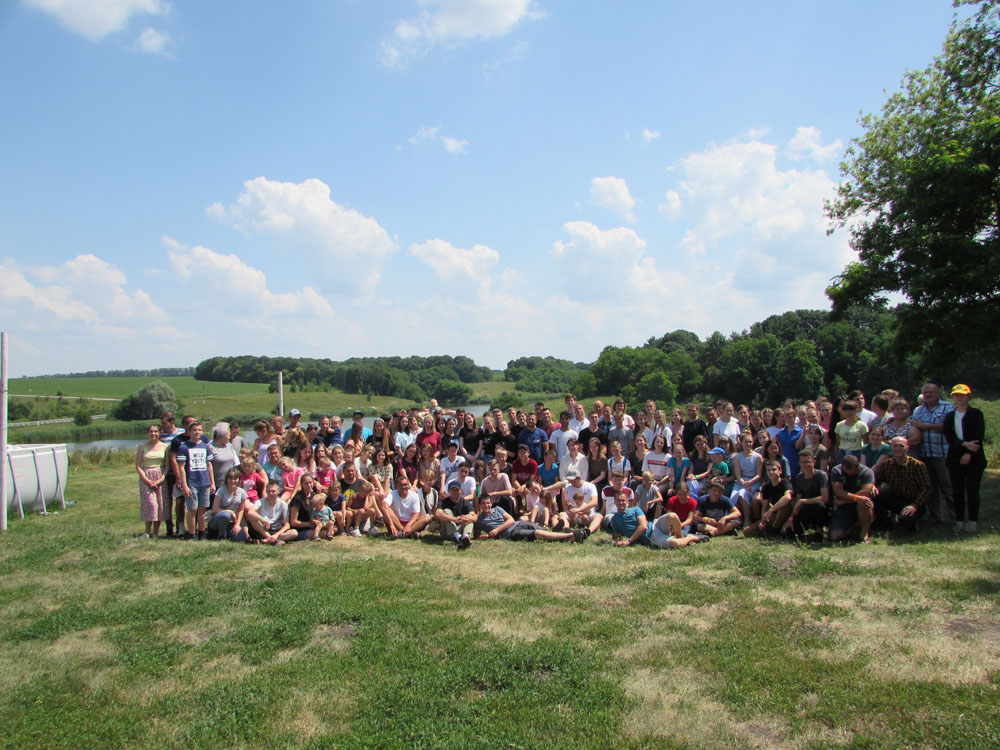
<point x="404" y="517"/>
<point x="456" y="514"/>
<point x="775" y="502"/>
<point x="716" y="515"/>
<point x="495" y="522"/>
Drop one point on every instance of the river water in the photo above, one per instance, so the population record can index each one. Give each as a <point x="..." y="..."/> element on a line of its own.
<point x="248" y="435"/>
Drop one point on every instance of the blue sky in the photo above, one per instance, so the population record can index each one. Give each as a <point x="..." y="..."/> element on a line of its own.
<point x="494" y="178"/>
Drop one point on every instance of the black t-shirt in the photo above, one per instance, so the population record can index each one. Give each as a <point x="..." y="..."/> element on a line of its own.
<point x="806" y="488"/>
<point x="691" y="430"/>
<point x="852" y="484"/>
<point x="463" y="508"/>
<point x="303" y="518"/>
<point x="470" y="439"/>
<point x="586" y="434"/>
<point x="490" y="441"/>
<point x="773" y="493"/>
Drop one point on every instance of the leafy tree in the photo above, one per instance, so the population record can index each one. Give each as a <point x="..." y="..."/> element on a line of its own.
<point x="921" y="198"/>
<point x="797" y="373"/>
<point x="147" y="403"/>
<point x="451" y="392"/>
<point x="82" y="418"/>
<point x="506" y="400"/>
<point x="656" y="386"/>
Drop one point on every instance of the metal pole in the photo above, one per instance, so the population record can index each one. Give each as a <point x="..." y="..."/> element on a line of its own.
<point x="3" y="431"/>
<point x="281" y="395"/>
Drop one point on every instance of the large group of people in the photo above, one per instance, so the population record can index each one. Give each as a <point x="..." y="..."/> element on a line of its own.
<point x="825" y="469"/>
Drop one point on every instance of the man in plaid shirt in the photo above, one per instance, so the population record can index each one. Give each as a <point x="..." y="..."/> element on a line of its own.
<point x="929" y="418"/>
<point x="904" y="487"/>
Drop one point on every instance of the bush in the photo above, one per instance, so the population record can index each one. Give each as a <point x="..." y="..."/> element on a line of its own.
<point x="506" y="400"/>
<point x="149" y="402"/>
<point x="82" y="418"/>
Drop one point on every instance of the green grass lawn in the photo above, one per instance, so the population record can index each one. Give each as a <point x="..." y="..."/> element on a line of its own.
<point x="112" y="641"/>
<point x="184" y="387"/>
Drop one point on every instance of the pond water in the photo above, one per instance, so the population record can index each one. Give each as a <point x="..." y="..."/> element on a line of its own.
<point x="248" y="435"/>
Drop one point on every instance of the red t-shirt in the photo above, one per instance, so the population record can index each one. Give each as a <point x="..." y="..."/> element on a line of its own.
<point x="522" y="473"/>
<point x="434" y="438"/>
<point x="682" y="509"/>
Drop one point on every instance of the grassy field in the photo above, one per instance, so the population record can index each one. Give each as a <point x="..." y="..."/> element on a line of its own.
<point x="112" y="641"/>
<point x="184" y="387"/>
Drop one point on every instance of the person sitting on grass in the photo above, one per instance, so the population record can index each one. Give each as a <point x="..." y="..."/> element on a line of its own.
<point x="716" y="515"/>
<point x="548" y="474"/>
<point x="300" y="508"/>
<point x="812" y="499"/>
<point x="403" y="514"/>
<point x="227" y="509"/>
<point x="536" y="510"/>
<point x="271" y="518"/>
<point x="496" y="523"/>
<point x="522" y="471"/>
<point x="361" y="508"/>
<point x="904" y="488"/>
<point x="610" y="497"/>
<point x="853" y="488"/>
<point x="629" y="525"/>
<point x="774" y="504"/>
<point x="323" y="521"/>
<point x="674" y="527"/>
<point x="456" y="515"/>
<point x="648" y="497"/>
<point x="580" y="504"/>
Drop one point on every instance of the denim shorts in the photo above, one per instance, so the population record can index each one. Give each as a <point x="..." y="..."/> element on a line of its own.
<point x="200" y="497"/>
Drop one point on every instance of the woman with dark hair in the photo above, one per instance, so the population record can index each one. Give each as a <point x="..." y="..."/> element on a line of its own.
<point x="150" y="463"/>
<point x="265" y="439"/>
<point x="380" y="436"/>
<point x="965" y="429"/>
<point x="597" y="464"/>
<point x="489" y="438"/>
<point x="470" y="439"/>
<point x="409" y="463"/>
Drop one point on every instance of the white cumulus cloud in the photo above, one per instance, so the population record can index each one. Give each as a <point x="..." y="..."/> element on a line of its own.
<point x="451" y="263"/>
<point x="152" y="41"/>
<point x="449" y="23"/>
<point x="95" y="19"/>
<point x="806" y="143"/>
<point x="303" y="217"/>
<point x="612" y="193"/>
<point x="650" y="135"/>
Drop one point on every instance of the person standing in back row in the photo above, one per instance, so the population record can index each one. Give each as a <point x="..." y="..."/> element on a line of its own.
<point x="965" y="429"/>
<point x="929" y="419"/>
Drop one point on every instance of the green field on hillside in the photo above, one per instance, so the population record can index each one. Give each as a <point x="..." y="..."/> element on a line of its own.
<point x="124" y="387"/>
<point x="114" y="641"/>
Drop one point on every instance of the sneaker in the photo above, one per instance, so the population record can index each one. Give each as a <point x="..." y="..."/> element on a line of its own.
<point x="354" y="531"/>
<point x="971" y="528"/>
<point x="464" y="541"/>
<point x="200" y="537"/>
<point x="579" y="535"/>
<point x="373" y="531"/>
<point x="415" y="535"/>
<point x="703" y="538"/>
<point x="144" y="536"/>
<point x="170" y="529"/>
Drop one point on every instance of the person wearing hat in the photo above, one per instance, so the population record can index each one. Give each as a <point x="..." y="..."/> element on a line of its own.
<point x="580" y="500"/>
<point x="294" y="417"/>
<point x="964" y="429"/>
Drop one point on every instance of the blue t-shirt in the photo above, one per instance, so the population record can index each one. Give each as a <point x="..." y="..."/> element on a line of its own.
<point x="548" y="477"/>
<point x="626" y="522"/>
<point x="492" y="520"/>
<point x="197" y="459"/>
<point x="788" y="449"/>
<point x="535" y="440"/>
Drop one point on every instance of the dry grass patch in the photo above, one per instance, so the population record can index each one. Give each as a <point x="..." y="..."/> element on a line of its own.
<point x="309" y="714"/>
<point x="83" y="653"/>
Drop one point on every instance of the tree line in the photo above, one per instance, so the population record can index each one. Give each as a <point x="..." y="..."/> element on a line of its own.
<point x="798" y="354"/>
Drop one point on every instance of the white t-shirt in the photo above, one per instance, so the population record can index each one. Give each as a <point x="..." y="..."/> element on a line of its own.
<point x="587" y="488"/>
<point x="407" y="507"/>
<point x="730" y="429"/>
<point x="559" y="438"/>
<point x="579" y="425"/>
<point x="276" y="515"/>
